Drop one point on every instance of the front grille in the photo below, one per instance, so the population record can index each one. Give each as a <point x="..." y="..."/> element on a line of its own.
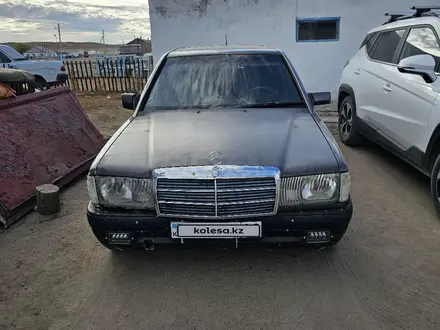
<point x="216" y="197"/>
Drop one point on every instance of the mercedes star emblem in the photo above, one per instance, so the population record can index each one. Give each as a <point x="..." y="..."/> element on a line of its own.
<point x="215" y="158"/>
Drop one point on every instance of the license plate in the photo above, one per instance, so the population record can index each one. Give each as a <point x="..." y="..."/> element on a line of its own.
<point x="215" y="230"/>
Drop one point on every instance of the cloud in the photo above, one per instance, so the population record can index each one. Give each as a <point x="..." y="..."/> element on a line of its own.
<point x="34" y="20"/>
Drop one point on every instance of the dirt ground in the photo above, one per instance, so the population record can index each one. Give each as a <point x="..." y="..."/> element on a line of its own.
<point x="384" y="274"/>
<point x="105" y="111"/>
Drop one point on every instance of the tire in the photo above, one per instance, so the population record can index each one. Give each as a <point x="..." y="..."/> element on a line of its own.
<point x="435" y="184"/>
<point x="348" y="133"/>
<point x="41" y="83"/>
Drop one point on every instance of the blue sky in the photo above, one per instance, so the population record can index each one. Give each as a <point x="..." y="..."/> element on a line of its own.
<point x="81" y="20"/>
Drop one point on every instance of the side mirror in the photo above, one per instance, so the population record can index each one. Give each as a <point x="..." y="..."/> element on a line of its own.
<point x="130" y="100"/>
<point x="422" y="65"/>
<point x="320" y="98"/>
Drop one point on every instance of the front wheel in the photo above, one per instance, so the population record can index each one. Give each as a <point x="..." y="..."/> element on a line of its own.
<point x="41" y="83"/>
<point x="348" y="133"/>
<point x="435" y="184"/>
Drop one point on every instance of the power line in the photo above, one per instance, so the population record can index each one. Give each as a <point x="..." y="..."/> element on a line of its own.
<point x="102" y="37"/>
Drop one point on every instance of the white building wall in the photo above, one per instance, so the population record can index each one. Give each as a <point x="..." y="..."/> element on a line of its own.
<point x="272" y="22"/>
<point x="41" y="55"/>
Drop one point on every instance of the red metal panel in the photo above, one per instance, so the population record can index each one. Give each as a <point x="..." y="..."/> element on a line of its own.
<point x="45" y="137"/>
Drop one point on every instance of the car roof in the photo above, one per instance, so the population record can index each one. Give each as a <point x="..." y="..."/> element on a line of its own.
<point x="212" y="50"/>
<point x="432" y="20"/>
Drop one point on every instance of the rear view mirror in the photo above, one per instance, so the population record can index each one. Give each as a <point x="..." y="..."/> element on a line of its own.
<point x="422" y="65"/>
<point x="130" y="100"/>
<point x="320" y="98"/>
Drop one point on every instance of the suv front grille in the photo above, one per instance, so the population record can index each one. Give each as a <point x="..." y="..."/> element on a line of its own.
<point x="216" y="197"/>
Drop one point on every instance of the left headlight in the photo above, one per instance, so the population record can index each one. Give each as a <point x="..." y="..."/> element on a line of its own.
<point x="121" y="192"/>
<point x="309" y="189"/>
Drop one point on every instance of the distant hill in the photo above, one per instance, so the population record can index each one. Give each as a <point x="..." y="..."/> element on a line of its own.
<point x="70" y="45"/>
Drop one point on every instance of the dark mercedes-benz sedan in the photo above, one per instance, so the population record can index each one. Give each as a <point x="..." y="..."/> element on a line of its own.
<point x="224" y="146"/>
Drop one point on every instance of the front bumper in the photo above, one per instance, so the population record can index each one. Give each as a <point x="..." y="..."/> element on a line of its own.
<point x="282" y="228"/>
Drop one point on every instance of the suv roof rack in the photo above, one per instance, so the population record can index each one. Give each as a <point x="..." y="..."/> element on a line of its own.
<point x="395" y="16"/>
<point x="420" y="11"/>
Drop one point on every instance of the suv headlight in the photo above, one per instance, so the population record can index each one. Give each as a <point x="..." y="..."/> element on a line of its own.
<point x="322" y="188"/>
<point x="121" y="192"/>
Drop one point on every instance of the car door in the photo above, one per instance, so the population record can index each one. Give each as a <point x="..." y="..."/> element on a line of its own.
<point x="372" y="88"/>
<point x="358" y="79"/>
<point x="408" y="99"/>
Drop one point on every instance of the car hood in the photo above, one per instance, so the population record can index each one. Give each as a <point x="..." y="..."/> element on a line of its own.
<point x="289" y="139"/>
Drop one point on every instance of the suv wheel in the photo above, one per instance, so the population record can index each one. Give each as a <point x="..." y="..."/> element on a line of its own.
<point x="41" y="84"/>
<point x="435" y="184"/>
<point x="346" y="124"/>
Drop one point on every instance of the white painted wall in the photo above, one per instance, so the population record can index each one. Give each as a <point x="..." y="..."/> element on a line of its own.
<point x="272" y="22"/>
<point x="40" y="55"/>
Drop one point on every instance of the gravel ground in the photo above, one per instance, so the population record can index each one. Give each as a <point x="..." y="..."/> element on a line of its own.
<point x="384" y="274"/>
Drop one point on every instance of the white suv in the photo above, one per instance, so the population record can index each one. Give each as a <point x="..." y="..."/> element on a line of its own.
<point x="47" y="73"/>
<point x="390" y="92"/>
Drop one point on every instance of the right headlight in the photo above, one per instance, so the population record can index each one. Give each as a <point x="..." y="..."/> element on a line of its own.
<point x="121" y="192"/>
<point x="312" y="189"/>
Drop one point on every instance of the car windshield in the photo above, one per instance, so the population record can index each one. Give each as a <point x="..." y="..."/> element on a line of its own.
<point x="13" y="54"/>
<point x="218" y="81"/>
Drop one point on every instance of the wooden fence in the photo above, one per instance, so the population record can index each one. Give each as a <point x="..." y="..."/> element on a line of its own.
<point x="118" y="74"/>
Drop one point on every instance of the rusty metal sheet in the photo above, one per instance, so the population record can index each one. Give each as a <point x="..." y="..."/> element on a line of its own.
<point x="45" y="137"/>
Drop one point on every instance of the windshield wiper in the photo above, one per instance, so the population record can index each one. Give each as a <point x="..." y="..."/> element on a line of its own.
<point x="275" y="104"/>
